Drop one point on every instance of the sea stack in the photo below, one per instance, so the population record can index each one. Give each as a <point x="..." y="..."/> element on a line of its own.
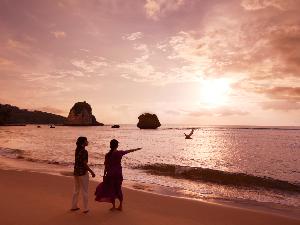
<point x="148" y="121"/>
<point x="81" y="115"/>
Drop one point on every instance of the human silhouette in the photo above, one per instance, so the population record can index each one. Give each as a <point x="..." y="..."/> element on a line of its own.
<point x="111" y="188"/>
<point x="81" y="174"/>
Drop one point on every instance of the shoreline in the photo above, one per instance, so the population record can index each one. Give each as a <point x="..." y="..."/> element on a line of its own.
<point x="164" y="191"/>
<point x="21" y="192"/>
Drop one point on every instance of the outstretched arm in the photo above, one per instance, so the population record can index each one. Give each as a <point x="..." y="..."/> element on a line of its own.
<point x="131" y="150"/>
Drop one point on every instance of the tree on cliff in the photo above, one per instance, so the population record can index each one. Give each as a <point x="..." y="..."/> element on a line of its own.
<point x="13" y="115"/>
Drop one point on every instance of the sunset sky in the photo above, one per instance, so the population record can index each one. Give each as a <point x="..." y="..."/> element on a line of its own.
<point x="188" y="61"/>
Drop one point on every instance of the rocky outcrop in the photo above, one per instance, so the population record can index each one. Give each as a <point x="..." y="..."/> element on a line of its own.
<point x="81" y="115"/>
<point x="148" y="121"/>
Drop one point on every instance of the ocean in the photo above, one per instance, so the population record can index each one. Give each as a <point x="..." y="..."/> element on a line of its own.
<point x="239" y="165"/>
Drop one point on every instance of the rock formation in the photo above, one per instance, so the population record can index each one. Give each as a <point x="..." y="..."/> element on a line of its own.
<point x="148" y="121"/>
<point x="81" y="115"/>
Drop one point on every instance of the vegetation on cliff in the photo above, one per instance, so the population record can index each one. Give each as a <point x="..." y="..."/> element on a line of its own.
<point x="13" y="115"/>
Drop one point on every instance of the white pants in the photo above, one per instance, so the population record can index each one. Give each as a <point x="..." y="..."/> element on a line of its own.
<point x="81" y="183"/>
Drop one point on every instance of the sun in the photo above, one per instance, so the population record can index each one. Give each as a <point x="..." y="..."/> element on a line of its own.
<point x="215" y="92"/>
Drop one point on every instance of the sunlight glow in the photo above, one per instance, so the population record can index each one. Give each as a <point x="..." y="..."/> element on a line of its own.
<point x="215" y="92"/>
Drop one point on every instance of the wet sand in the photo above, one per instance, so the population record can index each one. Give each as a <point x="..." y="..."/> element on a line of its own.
<point x="42" y="199"/>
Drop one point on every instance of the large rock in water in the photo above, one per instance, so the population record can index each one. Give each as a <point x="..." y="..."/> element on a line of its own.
<point x="81" y="115"/>
<point x="148" y="121"/>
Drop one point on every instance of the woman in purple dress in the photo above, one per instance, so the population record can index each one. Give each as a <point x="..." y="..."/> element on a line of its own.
<point x="111" y="187"/>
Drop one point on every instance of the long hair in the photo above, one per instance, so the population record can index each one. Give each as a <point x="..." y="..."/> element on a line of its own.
<point x="113" y="145"/>
<point x="80" y="141"/>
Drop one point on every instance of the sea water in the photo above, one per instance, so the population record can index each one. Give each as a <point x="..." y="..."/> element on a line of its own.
<point x="257" y="166"/>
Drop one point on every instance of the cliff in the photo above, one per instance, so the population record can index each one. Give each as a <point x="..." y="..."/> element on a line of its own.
<point x="13" y="115"/>
<point x="81" y="115"/>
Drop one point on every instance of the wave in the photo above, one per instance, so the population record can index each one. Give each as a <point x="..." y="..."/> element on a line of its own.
<point x="21" y="154"/>
<point x="231" y="128"/>
<point x="219" y="177"/>
<point x="11" y="152"/>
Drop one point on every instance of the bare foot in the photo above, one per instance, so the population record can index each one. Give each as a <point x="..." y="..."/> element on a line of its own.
<point x="112" y="209"/>
<point x="120" y="208"/>
<point x="74" y="209"/>
<point x="86" y="211"/>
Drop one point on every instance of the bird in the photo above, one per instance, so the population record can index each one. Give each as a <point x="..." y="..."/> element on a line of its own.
<point x="188" y="136"/>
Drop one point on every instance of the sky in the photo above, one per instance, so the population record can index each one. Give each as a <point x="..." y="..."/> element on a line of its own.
<point x="202" y="62"/>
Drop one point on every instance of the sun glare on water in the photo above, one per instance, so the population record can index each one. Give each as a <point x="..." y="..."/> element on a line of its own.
<point x="215" y="92"/>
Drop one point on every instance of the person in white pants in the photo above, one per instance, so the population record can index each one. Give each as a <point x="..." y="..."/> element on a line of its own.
<point x="81" y="175"/>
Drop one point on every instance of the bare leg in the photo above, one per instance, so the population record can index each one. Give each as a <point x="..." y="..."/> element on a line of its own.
<point x="113" y="205"/>
<point x="120" y="208"/>
<point x="120" y="198"/>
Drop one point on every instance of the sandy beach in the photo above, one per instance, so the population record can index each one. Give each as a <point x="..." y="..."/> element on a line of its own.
<point x="41" y="199"/>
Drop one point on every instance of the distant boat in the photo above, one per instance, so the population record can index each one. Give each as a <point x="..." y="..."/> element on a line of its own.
<point x="51" y="126"/>
<point x="115" y="126"/>
<point x="38" y="126"/>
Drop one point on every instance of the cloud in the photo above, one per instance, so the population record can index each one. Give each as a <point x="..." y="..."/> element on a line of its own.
<point x="122" y="107"/>
<point x="173" y="112"/>
<point x="218" y="112"/>
<point x="143" y="48"/>
<point x="89" y="66"/>
<point x="84" y="50"/>
<point x="70" y="73"/>
<point x="140" y="71"/>
<point x="253" y="5"/>
<point x="165" y="42"/>
<point x="31" y="77"/>
<point x="285" y="43"/>
<point x="14" y="44"/>
<point x="280" y="105"/>
<point x="54" y="75"/>
<point x="59" y="34"/>
<point x="5" y="62"/>
<point x="144" y="69"/>
<point x="158" y="8"/>
<point x="133" y="36"/>
<point x="259" y="47"/>
<point x="284" y="93"/>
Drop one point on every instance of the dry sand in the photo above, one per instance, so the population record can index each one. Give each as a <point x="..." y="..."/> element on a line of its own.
<point x="41" y="199"/>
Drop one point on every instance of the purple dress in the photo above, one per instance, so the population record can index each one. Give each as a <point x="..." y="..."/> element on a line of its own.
<point x="110" y="188"/>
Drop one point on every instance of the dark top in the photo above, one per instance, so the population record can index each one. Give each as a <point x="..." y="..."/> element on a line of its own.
<point x="113" y="163"/>
<point x="81" y="155"/>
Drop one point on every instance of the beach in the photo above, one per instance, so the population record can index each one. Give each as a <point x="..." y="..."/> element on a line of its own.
<point x="36" y="199"/>
<point x="260" y="166"/>
<point x="192" y="107"/>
